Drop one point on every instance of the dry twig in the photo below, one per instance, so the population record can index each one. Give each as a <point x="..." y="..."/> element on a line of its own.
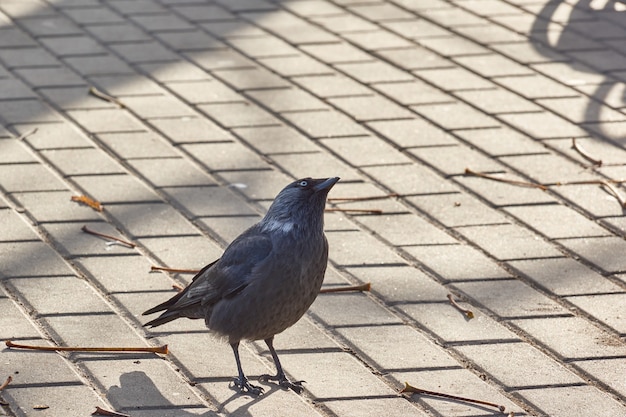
<point x="27" y="134"/>
<point x="102" y="412"/>
<point x="377" y="197"/>
<point x="582" y="152"/>
<point x="613" y="190"/>
<point x="104" y="96"/>
<point x="468" y="313"/>
<point x="345" y="288"/>
<point x="102" y="235"/>
<point x="88" y="201"/>
<point x="159" y="349"/>
<point x="505" y="180"/>
<point x="180" y="271"/>
<point x="370" y="211"/>
<point x="411" y="389"/>
<point x="6" y="383"/>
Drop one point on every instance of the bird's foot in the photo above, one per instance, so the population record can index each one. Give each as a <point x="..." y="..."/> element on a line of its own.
<point x="282" y="380"/>
<point x="245" y="387"/>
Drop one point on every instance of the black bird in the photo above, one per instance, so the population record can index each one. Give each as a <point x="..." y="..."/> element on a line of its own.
<point x="266" y="279"/>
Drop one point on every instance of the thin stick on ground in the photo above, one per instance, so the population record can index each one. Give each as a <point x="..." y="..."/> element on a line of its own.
<point x="613" y="190"/>
<point x="104" y="96"/>
<point x="363" y="287"/>
<point x="6" y="382"/>
<point x="102" y="412"/>
<point x="582" y="152"/>
<point x="27" y="134"/>
<point x="468" y="313"/>
<point x="105" y="236"/>
<point x="175" y="270"/>
<point x="159" y="349"/>
<point x="412" y="389"/>
<point x="377" y="197"/>
<point x="370" y="211"/>
<point x="505" y="180"/>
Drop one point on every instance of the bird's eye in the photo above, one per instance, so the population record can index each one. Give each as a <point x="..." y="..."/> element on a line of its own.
<point x="303" y="183"/>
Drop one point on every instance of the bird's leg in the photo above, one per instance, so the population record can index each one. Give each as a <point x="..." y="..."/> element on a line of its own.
<point x="280" y="377"/>
<point x="241" y="381"/>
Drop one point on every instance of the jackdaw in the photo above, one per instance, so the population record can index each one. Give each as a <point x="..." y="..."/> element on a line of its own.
<point x="266" y="279"/>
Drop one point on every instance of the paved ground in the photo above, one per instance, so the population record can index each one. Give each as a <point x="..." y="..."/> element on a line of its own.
<point x="227" y="101"/>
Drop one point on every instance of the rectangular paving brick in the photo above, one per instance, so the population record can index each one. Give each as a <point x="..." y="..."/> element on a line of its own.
<point x="111" y="189"/>
<point x="71" y="241"/>
<point x="355" y="248"/>
<point x="205" y="91"/>
<point x="27" y="111"/>
<point x="170" y="172"/>
<point x="454" y="210"/>
<point x="608" y="308"/>
<point x="453" y="79"/>
<point x="320" y="124"/>
<point x="316" y="165"/>
<point x="456" y="115"/>
<point x="511" y="298"/>
<point x="454" y="160"/>
<point x="29" y="177"/>
<point x="210" y="201"/>
<point x="415" y="58"/>
<point x="557" y="221"/>
<point x="518" y="365"/>
<point x="501" y="141"/>
<point x="493" y="66"/>
<point x="233" y="115"/>
<point x="548" y="168"/>
<point x="336" y="53"/>
<point x="153" y="219"/>
<point x="225" y="156"/>
<point x="287" y="100"/>
<point x="103" y="121"/>
<point x="395" y="178"/>
<point x="33" y="258"/>
<point x="276" y="139"/>
<point x="497" y="101"/>
<point x="596" y="250"/>
<point x="138" y="144"/>
<point x="406" y="229"/>
<point x="365" y="150"/>
<point x="190" y="130"/>
<point x="54" y="206"/>
<point x="385" y="347"/>
<point x="564" y="276"/>
<point x="15" y="227"/>
<point x="412" y="133"/>
<point x="82" y="161"/>
<point x="157" y="106"/>
<point x="369" y="108"/>
<point x="572" y="337"/>
<point x="250" y="78"/>
<point x="457" y="262"/>
<point x="573" y="401"/>
<point x="508" y="241"/>
<point x="413" y="92"/>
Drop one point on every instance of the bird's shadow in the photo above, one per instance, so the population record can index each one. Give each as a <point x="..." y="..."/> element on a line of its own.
<point x="136" y="388"/>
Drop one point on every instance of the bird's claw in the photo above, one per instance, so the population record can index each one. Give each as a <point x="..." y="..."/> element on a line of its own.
<point x="295" y="386"/>
<point x="245" y="387"/>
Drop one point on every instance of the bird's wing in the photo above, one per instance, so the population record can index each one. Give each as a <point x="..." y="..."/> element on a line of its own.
<point x="230" y="274"/>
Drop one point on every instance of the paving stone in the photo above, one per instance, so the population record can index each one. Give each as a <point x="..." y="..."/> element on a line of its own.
<point x="41" y="77"/>
<point x="518" y="365"/>
<point x="190" y="130"/>
<point x="186" y="252"/>
<point x="284" y="100"/>
<point x="98" y="65"/>
<point x="564" y="276"/>
<point x="15" y="89"/>
<point x="597" y="250"/>
<point x="70" y="241"/>
<point x="557" y="221"/>
<point x="82" y="161"/>
<point x="369" y="108"/>
<point x="364" y="251"/>
<point x="455" y="210"/>
<point x="77" y="330"/>
<point x="205" y="91"/>
<point x="332" y="86"/>
<point x="336" y="53"/>
<point x="62" y="399"/>
<point x="137" y="144"/>
<point x="605" y="307"/>
<point x="380" y="12"/>
<point x="453" y="16"/>
<point x="221" y="59"/>
<point x="166" y="21"/>
<point x="157" y="106"/>
<point x="508" y="241"/>
<point x="501" y="141"/>
<point x="397" y="284"/>
<point x="572" y="401"/>
<point x="453" y="79"/>
<point x="497" y="101"/>
<point x="50" y="295"/>
<point x="70" y="98"/>
<point x="174" y="72"/>
<point x="572" y="337"/>
<point x="263" y="46"/>
<point x="547" y="168"/>
<point x="511" y="298"/>
<point x="29" y="177"/>
<point x="210" y="201"/>
<point x="325" y="124"/>
<point x="112" y="189"/>
<point x="410" y="179"/>
<point x="490" y="34"/>
<point x="54" y="206"/>
<point x="414" y="92"/>
<point x="537" y="86"/>
<point x="72" y="45"/>
<point x="406" y="229"/>
<point x="493" y="65"/>
<point x="143" y="52"/>
<point x="377" y="406"/>
<point x="456" y="160"/>
<point x="344" y="23"/>
<point x="376" y="39"/>
<point x="120" y="85"/>
<point x="27" y="111"/>
<point x="228" y="228"/>
<point x="15" y="227"/>
<point x="365" y="150"/>
<point x="117" y="32"/>
<point x="225" y="156"/>
<point x="295" y="66"/>
<point x="188" y="40"/>
<point x="373" y="72"/>
<point x="12" y="151"/>
<point x="14" y="324"/>
<point x="453" y="46"/>
<point x="233" y="115"/>
<point x="568" y="75"/>
<point x="385" y="347"/>
<point x="258" y="185"/>
<point x="466" y="117"/>
<point x="49" y="26"/>
<point x="291" y="28"/>
<point x="415" y="58"/>
<point x="412" y="133"/>
<point x="276" y="139"/>
<point x="605" y="370"/>
<point x="152" y="219"/>
<point x="33" y="258"/>
<point x="103" y="121"/>
<point x="250" y="78"/>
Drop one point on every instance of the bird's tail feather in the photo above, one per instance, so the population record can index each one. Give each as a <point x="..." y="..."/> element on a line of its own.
<point x="163" y="318"/>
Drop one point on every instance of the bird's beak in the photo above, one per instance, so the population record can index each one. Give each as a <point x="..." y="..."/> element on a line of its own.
<point x="327" y="184"/>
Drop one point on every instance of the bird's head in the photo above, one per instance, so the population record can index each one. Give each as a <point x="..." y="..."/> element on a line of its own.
<point x="299" y="205"/>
